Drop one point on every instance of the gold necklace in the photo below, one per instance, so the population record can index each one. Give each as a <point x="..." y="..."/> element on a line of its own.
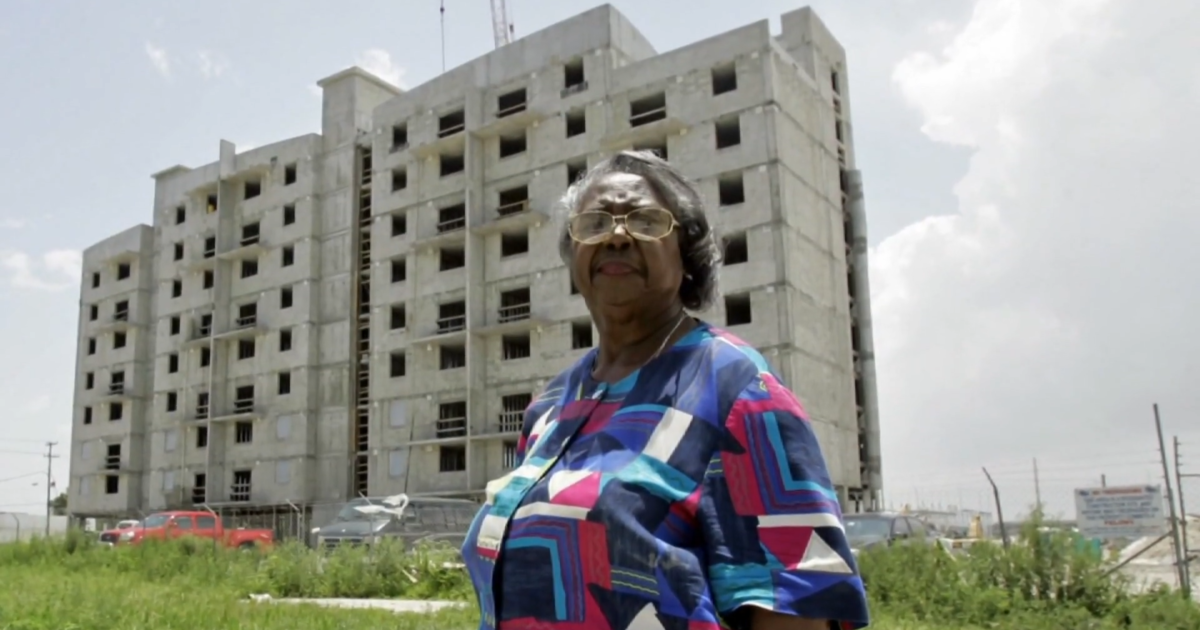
<point x="663" y="345"/>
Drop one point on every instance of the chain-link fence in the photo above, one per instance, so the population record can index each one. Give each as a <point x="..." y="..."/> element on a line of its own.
<point x="418" y="517"/>
<point x="15" y="526"/>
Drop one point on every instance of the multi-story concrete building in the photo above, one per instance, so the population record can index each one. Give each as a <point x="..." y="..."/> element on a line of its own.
<point x="369" y="310"/>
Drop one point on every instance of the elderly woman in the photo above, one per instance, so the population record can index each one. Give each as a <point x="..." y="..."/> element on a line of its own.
<point x="667" y="480"/>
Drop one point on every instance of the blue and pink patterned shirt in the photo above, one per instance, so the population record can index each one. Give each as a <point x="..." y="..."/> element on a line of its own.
<point x="691" y="488"/>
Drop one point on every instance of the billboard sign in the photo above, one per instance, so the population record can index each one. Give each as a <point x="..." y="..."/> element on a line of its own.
<point x="1120" y="512"/>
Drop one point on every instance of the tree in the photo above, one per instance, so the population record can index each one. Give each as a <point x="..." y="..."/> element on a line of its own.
<point x="58" y="506"/>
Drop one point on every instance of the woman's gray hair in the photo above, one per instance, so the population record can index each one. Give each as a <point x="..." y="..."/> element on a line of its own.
<point x="699" y="245"/>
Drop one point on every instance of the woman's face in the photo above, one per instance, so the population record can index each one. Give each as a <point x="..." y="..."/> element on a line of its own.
<point x="622" y="272"/>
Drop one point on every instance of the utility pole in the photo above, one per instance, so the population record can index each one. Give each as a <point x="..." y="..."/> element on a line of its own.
<point x="50" y="456"/>
<point x="1162" y="452"/>
<point x="1183" y="524"/>
<point x="1103" y="481"/>
<point x="1037" y="486"/>
<point x="999" y="512"/>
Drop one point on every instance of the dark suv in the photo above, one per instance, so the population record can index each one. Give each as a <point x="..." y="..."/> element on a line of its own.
<point x="415" y="520"/>
<point x="883" y="528"/>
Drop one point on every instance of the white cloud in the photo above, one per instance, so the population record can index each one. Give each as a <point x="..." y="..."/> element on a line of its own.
<point x="55" y="270"/>
<point x="12" y="224"/>
<point x="1046" y="316"/>
<point x="379" y="62"/>
<point x="210" y="64"/>
<point x="158" y="59"/>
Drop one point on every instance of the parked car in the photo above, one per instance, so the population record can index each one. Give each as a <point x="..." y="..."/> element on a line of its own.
<point x="868" y="530"/>
<point x="110" y="536"/>
<point x="413" y="520"/>
<point x="178" y="524"/>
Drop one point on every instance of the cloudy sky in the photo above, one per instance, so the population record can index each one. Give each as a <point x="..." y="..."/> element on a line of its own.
<point x="1034" y="261"/>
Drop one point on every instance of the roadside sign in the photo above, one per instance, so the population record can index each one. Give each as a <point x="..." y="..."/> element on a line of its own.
<point x="1120" y="512"/>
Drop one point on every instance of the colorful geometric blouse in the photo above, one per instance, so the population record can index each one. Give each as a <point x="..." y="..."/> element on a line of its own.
<point x="668" y="500"/>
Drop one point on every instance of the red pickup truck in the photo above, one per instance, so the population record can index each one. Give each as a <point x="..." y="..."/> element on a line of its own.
<point x="178" y="524"/>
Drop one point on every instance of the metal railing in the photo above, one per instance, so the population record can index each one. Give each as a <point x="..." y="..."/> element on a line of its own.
<point x="451" y="324"/>
<point x="450" y="225"/>
<point x="511" y="109"/>
<point x="511" y="421"/>
<point x="451" y="130"/>
<point x="509" y="457"/>
<point x="239" y="492"/>
<point x="514" y="312"/>
<point x="647" y="117"/>
<point x="515" y="207"/>
<point x="451" y="427"/>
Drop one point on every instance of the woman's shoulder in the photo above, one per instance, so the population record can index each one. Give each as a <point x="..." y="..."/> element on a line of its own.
<point x="728" y="355"/>
<point x="713" y="368"/>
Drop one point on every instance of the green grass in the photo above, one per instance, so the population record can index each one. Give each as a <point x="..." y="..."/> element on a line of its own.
<point x="75" y="585"/>
<point x="53" y="598"/>
<point x="47" y="597"/>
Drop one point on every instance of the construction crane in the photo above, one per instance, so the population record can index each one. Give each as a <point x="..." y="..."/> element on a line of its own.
<point x="501" y="28"/>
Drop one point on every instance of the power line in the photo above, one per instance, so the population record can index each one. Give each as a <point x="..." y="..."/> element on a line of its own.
<point x="1046" y="472"/>
<point x="1051" y="463"/>
<point x="33" y="474"/>
<point x="21" y="441"/>
<point x="7" y="452"/>
<point x="18" y="505"/>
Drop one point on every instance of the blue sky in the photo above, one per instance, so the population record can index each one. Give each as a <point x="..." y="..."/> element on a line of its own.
<point x="984" y="127"/>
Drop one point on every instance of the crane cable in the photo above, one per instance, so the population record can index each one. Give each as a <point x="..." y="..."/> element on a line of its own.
<point x="442" y="10"/>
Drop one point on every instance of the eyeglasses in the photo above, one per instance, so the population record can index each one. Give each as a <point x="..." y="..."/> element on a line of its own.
<point x="596" y="226"/>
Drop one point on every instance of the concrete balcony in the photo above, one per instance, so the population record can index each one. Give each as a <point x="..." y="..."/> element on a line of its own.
<point x="511" y="217"/>
<point x="451" y="140"/>
<point x="513" y="318"/>
<point x="506" y="425"/>
<point x="243" y="327"/>
<point x="512" y="118"/>
<point x="450" y="329"/>
<point x="240" y="410"/>
<point x="118" y="321"/>
<point x="449" y="230"/>
<point x="244" y="248"/>
<point x="119" y="391"/>
<point x="643" y="127"/>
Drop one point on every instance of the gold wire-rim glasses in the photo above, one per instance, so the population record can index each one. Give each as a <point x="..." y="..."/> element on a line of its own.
<point x="615" y="220"/>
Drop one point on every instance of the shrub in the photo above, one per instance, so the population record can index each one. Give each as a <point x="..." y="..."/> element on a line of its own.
<point x="1049" y="576"/>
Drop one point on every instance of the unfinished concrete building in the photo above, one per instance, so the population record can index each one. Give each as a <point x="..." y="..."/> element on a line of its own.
<point x="370" y="309"/>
